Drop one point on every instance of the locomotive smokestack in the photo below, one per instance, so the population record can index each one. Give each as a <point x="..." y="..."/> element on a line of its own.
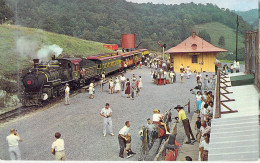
<point x="36" y="65"/>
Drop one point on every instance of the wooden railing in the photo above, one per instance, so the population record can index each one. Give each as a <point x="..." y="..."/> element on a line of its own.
<point x="173" y="130"/>
<point x="221" y="79"/>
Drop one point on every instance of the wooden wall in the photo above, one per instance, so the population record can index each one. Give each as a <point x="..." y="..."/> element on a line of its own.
<point x="208" y="59"/>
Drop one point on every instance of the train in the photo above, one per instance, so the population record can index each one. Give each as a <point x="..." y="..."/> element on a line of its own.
<point x="47" y="80"/>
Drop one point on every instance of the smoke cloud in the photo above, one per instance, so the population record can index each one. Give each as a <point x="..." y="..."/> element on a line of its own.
<point x="29" y="47"/>
<point x="46" y="52"/>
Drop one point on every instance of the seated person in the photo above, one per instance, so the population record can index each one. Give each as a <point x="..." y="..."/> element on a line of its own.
<point x="157" y="119"/>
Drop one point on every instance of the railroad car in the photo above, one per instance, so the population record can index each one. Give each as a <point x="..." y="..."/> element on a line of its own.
<point x="47" y="80"/>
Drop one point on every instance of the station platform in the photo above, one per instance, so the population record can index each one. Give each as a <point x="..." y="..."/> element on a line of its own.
<point x="235" y="136"/>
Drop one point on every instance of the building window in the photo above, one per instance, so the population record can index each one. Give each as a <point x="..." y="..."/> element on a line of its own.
<point x="194" y="59"/>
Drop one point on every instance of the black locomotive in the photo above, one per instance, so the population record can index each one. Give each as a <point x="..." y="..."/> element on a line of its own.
<point x="47" y="80"/>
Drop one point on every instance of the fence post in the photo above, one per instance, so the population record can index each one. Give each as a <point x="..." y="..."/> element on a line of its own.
<point x="217" y="109"/>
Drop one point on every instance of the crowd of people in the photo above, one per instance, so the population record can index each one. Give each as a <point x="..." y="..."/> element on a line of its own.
<point x="132" y="87"/>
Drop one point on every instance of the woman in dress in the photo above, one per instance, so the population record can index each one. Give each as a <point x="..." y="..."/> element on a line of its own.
<point x="188" y="71"/>
<point x="117" y="86"/>
<point x="206" y="82"/>
<point x="127" y="90"/>
<point x="111" y="86"/>
<point x="198" y="101"/>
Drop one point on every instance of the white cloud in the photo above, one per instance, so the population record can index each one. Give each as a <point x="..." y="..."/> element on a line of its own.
<point x="242" y="5"/>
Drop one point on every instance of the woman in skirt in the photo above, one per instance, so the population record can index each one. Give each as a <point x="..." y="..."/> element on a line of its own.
<point x="140" y="83"/>
<point x="117" y="86"/>
<point x="127" y="90"/>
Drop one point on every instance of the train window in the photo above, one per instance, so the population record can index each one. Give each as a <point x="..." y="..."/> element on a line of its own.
<point x="99" y="66"/>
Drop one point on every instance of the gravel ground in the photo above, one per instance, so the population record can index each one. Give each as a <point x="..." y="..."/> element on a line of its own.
<point x="81" y="125"/>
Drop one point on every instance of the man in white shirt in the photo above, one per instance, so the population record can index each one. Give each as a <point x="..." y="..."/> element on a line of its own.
<point x="67" y="94"/>
<point x="125" y="67"/>
<point x="106" y="112"/>
<point x="122" y="138"/>
<point x="57" y="148"/>
<point x="122" y="79"/>
<point x="13" y="140"/>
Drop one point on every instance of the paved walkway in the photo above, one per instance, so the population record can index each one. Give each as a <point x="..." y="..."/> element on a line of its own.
<point x="81" y="125"/>
<point x="187" y="149"/>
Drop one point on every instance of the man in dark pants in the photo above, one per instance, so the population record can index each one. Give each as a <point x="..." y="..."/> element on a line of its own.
<point x="122" y="138"/>
<point x="186" y="124"/>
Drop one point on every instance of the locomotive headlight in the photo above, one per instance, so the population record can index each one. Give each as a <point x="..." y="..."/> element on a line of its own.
<point x="44" y="96"/>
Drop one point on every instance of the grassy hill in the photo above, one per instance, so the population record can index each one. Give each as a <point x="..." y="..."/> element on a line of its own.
<point x="215" y="30"/>
<point x="12" y="59"/>
<point x="250" y="16"/>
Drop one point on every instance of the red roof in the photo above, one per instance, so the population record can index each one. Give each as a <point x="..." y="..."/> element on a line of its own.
<point x="194" y="45"/>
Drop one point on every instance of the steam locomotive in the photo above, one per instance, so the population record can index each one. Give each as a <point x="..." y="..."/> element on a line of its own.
<point x="47" y="80"/>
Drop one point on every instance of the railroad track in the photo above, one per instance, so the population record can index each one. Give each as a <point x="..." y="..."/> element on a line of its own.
<point x="23" y="110"/>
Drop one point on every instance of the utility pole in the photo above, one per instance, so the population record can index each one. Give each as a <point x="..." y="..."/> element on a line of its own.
<point x="237" y="37"/>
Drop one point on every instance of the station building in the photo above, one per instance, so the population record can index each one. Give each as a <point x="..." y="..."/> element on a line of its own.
<point x="196" y="53"/>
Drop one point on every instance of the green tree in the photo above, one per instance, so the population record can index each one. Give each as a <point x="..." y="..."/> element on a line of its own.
<point x="205" y="35"/>
<point x="5" y="12"/>
<point x="221" y="41"/>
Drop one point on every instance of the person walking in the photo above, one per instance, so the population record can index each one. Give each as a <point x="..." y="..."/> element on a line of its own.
<point x="103" y="76"/>
<point x="140" y="83"/>
<point x="122" y="79"/>
<point x="206" y="82"/>
<point x="204" y="147"/>
<point x="188" y="71"/>
<point x="111" y="86"/>
<point x="67" y="94"/>
<point x="171" y="76"/>
<point x="182" y="75"/>
<point x="117" y="86"/>
<point x="133" y="79"/>
<point x="57" y="148"/>
<point x="198" y="101"/>
<point x="106" y="112"/>
<point x="122" y="138"/>
<point x="13" y="139"/>
<point x="125" y="67"/>
<point x="181" y="68"/>
<point x="186" y="124"/>
<point x="127" y="90"/>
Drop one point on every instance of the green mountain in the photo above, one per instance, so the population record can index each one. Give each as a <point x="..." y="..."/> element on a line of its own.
<point x="250" y="17"/>
<point x="216" y="30"/>
<point x="19" y="45"/>
<point x="106" y="20"/>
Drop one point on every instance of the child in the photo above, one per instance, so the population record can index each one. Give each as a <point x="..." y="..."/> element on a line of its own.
<point x="133" y="92"/>
<point x="137" y="90"/>
<point x="197" y="126"/>
<point x="182" y="75"/>
<point x="128" y="150"/>
<point x="91" y="91"/>
<point x="111" y="86"/>
<point x="141" y="133"/>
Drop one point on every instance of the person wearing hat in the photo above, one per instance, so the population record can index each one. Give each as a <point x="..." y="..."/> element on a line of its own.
<point x="157" y="117"/>
<point x="91" y="91"/>
<point x="67" y="94"/>
<point x="172" y="146"/>
<point x="13" y="140"/>
<point x="186" y="124"/>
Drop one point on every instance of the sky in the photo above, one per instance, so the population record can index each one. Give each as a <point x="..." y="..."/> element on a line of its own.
<point x="238" y="5"/>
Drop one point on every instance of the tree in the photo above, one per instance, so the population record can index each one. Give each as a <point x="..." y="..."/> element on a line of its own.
<point x="221" y="41"/>
<point x="5" y="12"/>
<point x="204" y="34"/>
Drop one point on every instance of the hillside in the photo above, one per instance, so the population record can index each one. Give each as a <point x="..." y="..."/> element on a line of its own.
<point x="216" y="30"/>
<point x="250" y="16"/>
<point x="106" y="20"/>
<point x="18" y="45"/>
